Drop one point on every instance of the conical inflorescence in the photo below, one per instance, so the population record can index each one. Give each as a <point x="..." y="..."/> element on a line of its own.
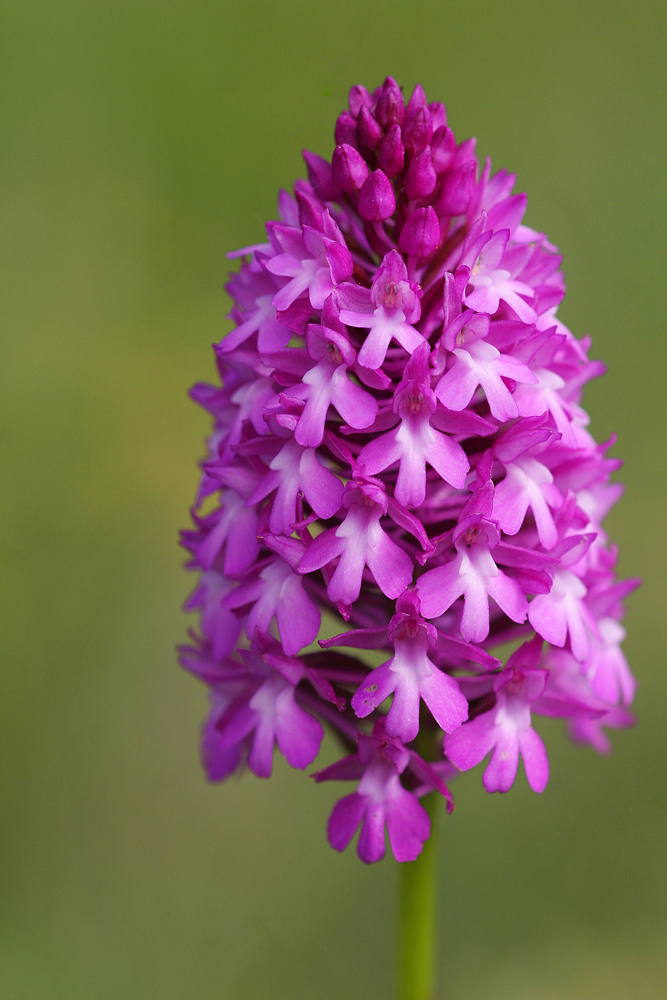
<point x="399" y="444"/>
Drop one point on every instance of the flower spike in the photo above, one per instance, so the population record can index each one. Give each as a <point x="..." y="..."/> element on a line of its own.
<point x="399" y="442"/>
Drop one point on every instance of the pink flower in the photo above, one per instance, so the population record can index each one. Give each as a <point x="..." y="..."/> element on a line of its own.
<point x="388" y="312"/>
<point x="380" y="799"/>
<point x="415" y="442"/>
<point x="315" y="261"/>
<point x="506" y="728"/>
<point x="358" y="542"/>
<point x="410" y="676"/>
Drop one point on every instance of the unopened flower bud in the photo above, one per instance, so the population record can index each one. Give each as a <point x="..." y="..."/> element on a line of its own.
<point x="417" y="100"/>
<point x="359" y="98"/>
<point x="417" y="130"/>
<point x="438" y="114"/>
<point x="369" y="131"/>
<point x="376" y="198"/>
<point x="390" y="107"/>
<point x="421" y="178"/>
<point x="420" y="235"/>
<point x="443" y="146"/>
<point x="349" y="168"/>
<point x="320" y="176"/>
<point x="457" y="191"/>
<point x="346" y="130"/>
<point x="391" y="154"/>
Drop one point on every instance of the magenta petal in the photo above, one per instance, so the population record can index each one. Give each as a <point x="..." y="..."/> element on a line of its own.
<point x="298" y="733"/>
<point x="242" y="546"/>
<point x="322" y="550"/>
<point x="297" y="615"/>
<point x="438" y="588"/>
<point x="371" y="846"/>
<point x="501" y="771"/>
<point x="380" y="453"/>
<point x="218" y="624"/>
<point x="382" y="329"/>
<point x="410" y="488"/>
<point x="390" y="565"/>
<point x="475" y="617"/>
<point x="341" y="264"/>
<point x="535" y="759"/>
<point x="323" y="490"/>
<point x="448" y="459"/>
<point x="403" y="716"/>
<point x="377" y="686"/>
<point x="345" y="583"/>
<point x="260" y="758"/>
<point x="508" y="596"/>
<point x="310" y="427"/>
<point x="321" y="287"/>
<point x="443" y="698"/>
<point x="354" y="404"/>
<point x="408" y="826"/>
<point x="469" y="744"/>
<point x="347" y="769"/>
<point x="456" y="388"/>
<point x="219" y="762"/>
<point x="548" y="619"/>
<point x="241" y="723"/>
<point x="344" y="821"/>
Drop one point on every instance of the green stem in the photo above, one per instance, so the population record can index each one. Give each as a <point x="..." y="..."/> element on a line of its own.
<point x="416" y="918"/>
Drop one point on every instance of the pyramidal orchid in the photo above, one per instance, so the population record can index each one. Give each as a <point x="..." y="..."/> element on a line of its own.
<point x="400" y="462"/>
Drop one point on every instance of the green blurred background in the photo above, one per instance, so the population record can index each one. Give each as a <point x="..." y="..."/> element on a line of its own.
<point x="141" y="141"/>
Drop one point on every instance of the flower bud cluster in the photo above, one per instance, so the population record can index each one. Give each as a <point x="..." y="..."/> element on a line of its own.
<point x="398" y="443"/>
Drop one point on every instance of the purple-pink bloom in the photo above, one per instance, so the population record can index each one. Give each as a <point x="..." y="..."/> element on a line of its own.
<point x="295" y="471"/>
<point x="493" y="277"/>
<point x="473" y="575"/>
<point x="220" y="624"/>
<point x="506" y="729"/>
<point x="399" y="440"/>
<point x="411" y="676"/>
<point x="253" y="290"/>
<point x="380" y="800"/>
<point x="563" y="614"/>
<point x="360" y="541"/>
<point x="269" y="716"/>
<point x="277" y="592"/>
<point x="253" y="707"/>
<point x="315" y="261"/>
<point x="327" y="383"/>
<point x="607" y="668"/>
<point x="528" y="483"/>
<point x="388" y="312"/>
<point x="415" y="442"/>
<point x="478" y="363"/>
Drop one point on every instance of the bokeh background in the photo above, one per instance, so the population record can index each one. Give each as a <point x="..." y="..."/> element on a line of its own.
<point x="141" y="140"/>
